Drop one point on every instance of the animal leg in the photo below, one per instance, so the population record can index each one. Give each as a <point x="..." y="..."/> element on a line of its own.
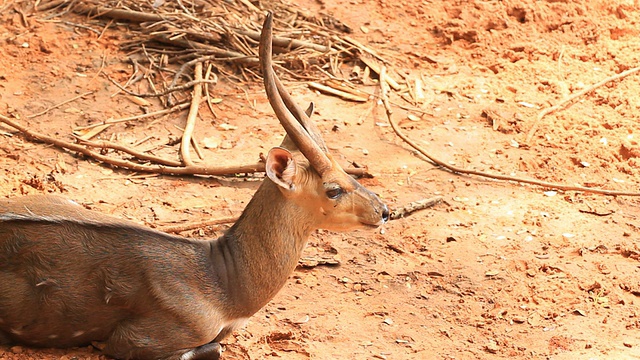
<point x="210" y="351"/>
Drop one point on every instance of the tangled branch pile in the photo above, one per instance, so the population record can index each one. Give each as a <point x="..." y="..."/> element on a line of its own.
<point x="184" y="30"/>
<point x="185" y="40"/>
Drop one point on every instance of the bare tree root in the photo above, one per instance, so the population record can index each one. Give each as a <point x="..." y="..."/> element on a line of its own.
<point x="457" y="170"/>
<point x="566" y="102"/>
<point x="154" y="168"/>
<point x="191" y="118"/>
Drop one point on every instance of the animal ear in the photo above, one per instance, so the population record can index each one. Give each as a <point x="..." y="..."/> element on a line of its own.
<point x="281" y="168"/>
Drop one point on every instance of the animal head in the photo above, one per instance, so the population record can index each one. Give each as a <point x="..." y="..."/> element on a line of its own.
<point x="302" y="167"/>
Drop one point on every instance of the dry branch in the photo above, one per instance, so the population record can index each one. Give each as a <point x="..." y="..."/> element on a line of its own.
<point x="284" y="42"/>
<point x="155" y="169"/>
<point x="137" y="117"/>
<point x="124" y="164"/>
<point x="191" y="118"/>
<point x="169" y="90"/>
<point x="58" y="105"/>
<point x="118" y="14"/>
<point x="457" y="170"/>
<point x="138" y="155"/>
<point x="332" y="91"/>
<point x="566" y="102"/>
<point x="413" y="207"/>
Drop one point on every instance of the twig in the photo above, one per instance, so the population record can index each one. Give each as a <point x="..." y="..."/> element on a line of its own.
<point x="154" y="169"/>
<point x="198" y="225"/>
<point x="284" y="42"/>
<point x="218" y="54"/>
<point x="58" y="105"/>
<point x="119" y="14"/>
<point x="191" y="118"/>
<point x="162" y="93"/>
<point x="350" y="41"/>
<point x="414" y="206"/>
<point x="342" y="94"/>
<point x="102" y="63"/>
<point x="137" y="154"/>
<point x="81" y="26"/>
<point x="135" y="76"/>
<point x="137" y="117"/>
<point x="207" y="74"/>
<point x="376" y="67"/>
<point x="45" y="6"/>
<point x="457" y="170"/>
<point x="196" y="148"/>
<point x="566" y="102"/>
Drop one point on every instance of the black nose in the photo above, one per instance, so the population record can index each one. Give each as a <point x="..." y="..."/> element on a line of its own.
<point x="385" y="214"/>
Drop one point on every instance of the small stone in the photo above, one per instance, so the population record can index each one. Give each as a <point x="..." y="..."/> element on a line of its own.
<point x="17" y="349"/>
<point x="492" y="347"/>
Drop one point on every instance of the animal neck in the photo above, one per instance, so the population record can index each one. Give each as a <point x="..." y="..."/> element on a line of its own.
<point x="263" y="247"/>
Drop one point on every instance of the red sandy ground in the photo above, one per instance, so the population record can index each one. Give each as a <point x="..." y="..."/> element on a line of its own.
<point x="498" y="270"/>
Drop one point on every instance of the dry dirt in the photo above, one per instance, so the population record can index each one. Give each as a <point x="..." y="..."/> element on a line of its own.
<point x="498" y="270"/>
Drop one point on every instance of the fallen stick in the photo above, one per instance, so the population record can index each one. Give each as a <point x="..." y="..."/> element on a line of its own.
<point x="414" y="206"/>
<point x="218" y="54"/>
<point x="342" y="94"/>
<point x="118" y="14"/>
<point x="137" y="154"/>
<point x="162" y="93"/>
<point x="457" y="170"/>
<point x="377" y="68"/>
<point x="137" y="117"/>
<point x="566" y="102"/>
<point x="284" y="42"/>
<point x="154" y="169"/>
<point x="58" y="105"/>
<point x="191" y="117"/>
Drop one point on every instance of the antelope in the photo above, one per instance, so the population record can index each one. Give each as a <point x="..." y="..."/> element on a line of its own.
<point x="72" y="277"/>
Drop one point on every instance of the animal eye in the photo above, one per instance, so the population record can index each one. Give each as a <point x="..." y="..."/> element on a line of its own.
<point x="334" y="193"/>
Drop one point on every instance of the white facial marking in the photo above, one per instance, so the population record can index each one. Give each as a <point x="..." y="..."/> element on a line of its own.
<point x="78" y="333"/>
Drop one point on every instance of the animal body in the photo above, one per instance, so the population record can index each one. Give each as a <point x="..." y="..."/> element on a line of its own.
<point x="70" y="276"/>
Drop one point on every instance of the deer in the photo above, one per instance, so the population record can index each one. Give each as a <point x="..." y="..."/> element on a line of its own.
<point x="71" y="277"/>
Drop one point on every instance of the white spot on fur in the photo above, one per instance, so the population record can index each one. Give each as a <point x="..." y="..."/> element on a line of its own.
<point x="78" y="333"/>
<point x="16" y="331"/>
<point x="53" y="336"/>
<point x="188" y="355"/>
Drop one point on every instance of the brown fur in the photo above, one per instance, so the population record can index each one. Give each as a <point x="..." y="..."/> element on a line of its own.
<point x="69" y="276"/>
